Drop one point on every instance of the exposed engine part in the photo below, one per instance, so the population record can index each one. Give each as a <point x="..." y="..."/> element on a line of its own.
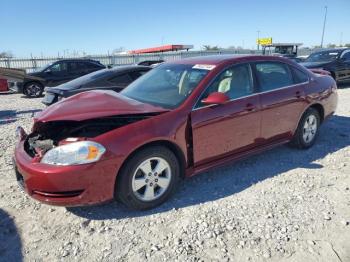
<point x="40" y="146"/>
<point x="48" y="135"/>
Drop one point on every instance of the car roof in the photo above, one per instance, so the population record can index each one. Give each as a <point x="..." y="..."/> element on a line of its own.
<point x="129" y="67"/>
<point x="332" y="50"/>
<point x="78" y="60"/>
<point x="218" y="59"/>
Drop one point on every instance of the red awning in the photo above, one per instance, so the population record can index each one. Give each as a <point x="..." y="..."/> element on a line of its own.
<point x="164" y="48"/>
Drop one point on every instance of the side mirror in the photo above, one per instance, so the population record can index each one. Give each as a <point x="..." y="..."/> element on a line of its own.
<point x="216" y="98"/>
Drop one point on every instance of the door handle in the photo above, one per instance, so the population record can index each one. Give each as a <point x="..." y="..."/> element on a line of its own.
<point x="297" y="94"/>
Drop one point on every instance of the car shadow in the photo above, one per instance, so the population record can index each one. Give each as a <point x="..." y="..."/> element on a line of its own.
<point x="10" y="116"/>
<point x="236" y="177"/>
<point x="11" y="245"/>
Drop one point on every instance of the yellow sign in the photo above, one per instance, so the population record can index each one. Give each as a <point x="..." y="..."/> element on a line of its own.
<point x="264" y="41"/>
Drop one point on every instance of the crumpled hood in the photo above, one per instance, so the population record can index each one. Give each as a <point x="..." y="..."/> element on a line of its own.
<point x="94" y="104"/>
<point x="314" y="64"/>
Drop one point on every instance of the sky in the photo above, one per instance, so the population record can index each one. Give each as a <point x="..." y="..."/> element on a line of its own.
<point x="38" y="27"/>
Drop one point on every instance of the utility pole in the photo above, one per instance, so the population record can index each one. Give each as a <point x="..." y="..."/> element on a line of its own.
<point x="324" y="25"/>
<point x="258" y="38"/>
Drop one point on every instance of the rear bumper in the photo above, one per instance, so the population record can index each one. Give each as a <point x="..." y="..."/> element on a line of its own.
<point x="77" y="185"/>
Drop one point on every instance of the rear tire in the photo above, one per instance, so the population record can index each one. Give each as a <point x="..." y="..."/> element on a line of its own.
<point x="308" y="129"/>
<point x="33" y="89"/>
<point x="148" y="178"/>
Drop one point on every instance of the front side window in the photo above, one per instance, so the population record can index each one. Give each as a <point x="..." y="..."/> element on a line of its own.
<point x="272" y="75"/>
<point x="167" y="85"/>
<point x="234" y="82"/>
<point x="59" y="67"/>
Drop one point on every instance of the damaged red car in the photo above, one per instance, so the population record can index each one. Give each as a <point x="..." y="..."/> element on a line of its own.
<point x="178" y="120"/>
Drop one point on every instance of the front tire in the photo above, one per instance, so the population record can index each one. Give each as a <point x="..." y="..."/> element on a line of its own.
<point x="308" y="129"/>
<point x="33" y="89"/>
<point x="149" y="178"/>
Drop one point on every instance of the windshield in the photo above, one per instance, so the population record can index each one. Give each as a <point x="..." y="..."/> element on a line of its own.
<point x="167" y="85"/>
<point x="284" y="50"/>
<point x="323" y="56"/>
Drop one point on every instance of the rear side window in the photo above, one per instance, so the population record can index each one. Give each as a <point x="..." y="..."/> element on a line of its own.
<point x="136" y="74"/>
<point x="272" y="75"/>
<point x="92" y="65"/>
<point x="299" y="76"/>
<point x="120" y="79"/>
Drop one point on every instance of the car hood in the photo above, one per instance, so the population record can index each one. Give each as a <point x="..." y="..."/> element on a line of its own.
<point x="95" y="104"/>
<point x="314" y="64"/>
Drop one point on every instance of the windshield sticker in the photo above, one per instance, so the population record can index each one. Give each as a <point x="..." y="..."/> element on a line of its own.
<point x="333" y="53"/>
<point x="204" y="67"/>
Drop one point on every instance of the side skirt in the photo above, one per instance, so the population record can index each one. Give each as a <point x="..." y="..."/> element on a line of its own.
<point x="229" y="159"/>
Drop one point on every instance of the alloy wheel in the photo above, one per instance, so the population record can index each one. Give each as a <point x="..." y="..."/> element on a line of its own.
<point x="310" y="128"/>
<point x="33" y="90"/>
<point x="151" y="179"/>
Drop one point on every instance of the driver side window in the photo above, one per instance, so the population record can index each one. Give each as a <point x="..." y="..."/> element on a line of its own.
<point x="235" y="82"/>
<point x="59" y="67"/>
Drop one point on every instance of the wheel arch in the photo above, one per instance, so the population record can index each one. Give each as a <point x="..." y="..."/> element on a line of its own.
<point x="317" y="106"/>
<point x="165" y="143"/>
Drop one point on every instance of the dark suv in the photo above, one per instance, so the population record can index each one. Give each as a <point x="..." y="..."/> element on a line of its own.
<point x="55" y="74"/>
<point x="335" y="61"/>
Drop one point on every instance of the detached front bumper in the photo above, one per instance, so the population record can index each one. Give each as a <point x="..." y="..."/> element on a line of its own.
<point x="76" y="185"/>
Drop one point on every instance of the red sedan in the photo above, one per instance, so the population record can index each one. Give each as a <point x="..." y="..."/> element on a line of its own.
<point x="178" y="120"/>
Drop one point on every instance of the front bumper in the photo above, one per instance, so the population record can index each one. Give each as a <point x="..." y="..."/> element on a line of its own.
<point x="77" y="185"/>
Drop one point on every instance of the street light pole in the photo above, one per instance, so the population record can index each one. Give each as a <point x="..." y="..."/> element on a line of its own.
<point x="258" y="38"/>
<point x="324" y="25"/>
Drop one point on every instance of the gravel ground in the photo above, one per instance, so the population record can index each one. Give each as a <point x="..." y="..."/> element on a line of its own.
<point x="283" y="205"/>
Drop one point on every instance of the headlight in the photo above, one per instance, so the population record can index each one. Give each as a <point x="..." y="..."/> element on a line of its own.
<point x="77" y="153"/>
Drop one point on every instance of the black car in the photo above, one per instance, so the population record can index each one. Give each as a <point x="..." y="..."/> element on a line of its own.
<point x="55" y="74"/>
<point x="116" y="78"/>
<point x="335" y="61"/>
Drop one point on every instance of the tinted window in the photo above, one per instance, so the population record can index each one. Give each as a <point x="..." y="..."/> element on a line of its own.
<point x="167" y="85"/>
<point x="92" y="65"/>
<point x="324" y="56"/>
<point x="59" y="67"/>
<point x="136" y="74"/>
<point x="120" y="79"/>
<point x="299" y="76"/>
<point x="273" y="75"/>
<point x="76" y="66"/>
<point x="346" y="56"/>
<point x="235" y="82"/>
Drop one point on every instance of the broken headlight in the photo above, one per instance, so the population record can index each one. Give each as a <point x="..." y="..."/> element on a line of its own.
<point x="77" y="153"/>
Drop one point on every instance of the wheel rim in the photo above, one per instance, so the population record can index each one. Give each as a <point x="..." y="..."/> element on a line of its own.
<point x="151" y="179"/>
<point x="310" y="128"/>
<point x="34" y="90"/>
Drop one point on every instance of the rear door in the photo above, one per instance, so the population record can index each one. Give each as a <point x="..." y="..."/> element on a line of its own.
<point x="220" y="130"/>
<point x="282" y="98"/>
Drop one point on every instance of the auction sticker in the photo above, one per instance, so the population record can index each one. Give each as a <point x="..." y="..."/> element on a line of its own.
<point x="204" y="67"/>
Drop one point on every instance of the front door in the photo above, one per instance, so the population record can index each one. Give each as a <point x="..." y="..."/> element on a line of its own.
<point x="220" y="130"/>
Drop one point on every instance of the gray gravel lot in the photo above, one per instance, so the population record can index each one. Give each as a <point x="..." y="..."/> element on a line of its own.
<point x="282" y="205"/>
